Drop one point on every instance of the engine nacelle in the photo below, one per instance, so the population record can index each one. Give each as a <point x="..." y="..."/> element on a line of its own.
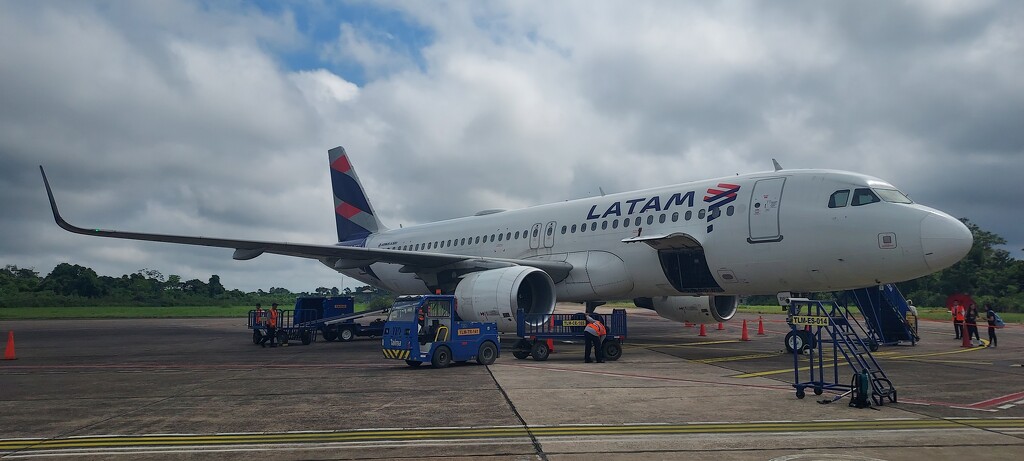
<point x="496" y="295"/>
<point x="693" y="309"/>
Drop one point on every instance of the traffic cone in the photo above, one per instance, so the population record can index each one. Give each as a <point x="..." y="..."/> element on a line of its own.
<point x="967" y="338"/>
<point x="745" y="337"/>
<point x="9" y="351"/>
<point x="687" y="324"/>
<point x="551" y="346"/>
<point x="702" y="332"/>
<point x="760" y="326"/>
<point x="721" y="326"/>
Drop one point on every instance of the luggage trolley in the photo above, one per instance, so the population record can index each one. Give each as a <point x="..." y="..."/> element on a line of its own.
<point x="535" y="330"/>
<point x="297" y="324"/>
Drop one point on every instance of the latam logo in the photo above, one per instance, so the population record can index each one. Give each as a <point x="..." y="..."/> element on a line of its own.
<point x="718" y="197"/>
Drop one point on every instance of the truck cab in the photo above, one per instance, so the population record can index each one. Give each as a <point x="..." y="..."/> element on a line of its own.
<point x="427" y="329"/>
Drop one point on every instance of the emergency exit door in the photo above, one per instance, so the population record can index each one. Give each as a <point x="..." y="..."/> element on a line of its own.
<point x="765" y="203"/>
<point x="535" y="237"/>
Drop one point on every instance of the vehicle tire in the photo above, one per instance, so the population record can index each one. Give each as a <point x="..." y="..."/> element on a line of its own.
<point x="872" y="345"/>
<point x="330" y="334"/>
<point x="795" y="341"/>
<point x="282" y="337"/>
<point x="521" y="350"/>
<point x="487" y="353"/>
<point x="257" y="336"/>
<point x="346" y="334"/>
<point x="611" y="349"/>
<point x="818" y="390"/>
<point x="800" y="393"/>
<point x="442" y="357"/>
<point x="540" y="351"/>
<point x="413" y="363"/>
<point x="306" y="336"/>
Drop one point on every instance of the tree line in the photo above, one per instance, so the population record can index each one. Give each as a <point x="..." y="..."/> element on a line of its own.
<point x="75" y="285"/>
<point x="988" y="274"/>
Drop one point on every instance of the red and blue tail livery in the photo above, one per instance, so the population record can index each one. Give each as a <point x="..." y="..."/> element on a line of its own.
<point x="352" y="211"/>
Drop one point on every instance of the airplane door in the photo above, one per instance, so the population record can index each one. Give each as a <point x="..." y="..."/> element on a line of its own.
<point x="549" y="235"/>
<point x="764" y="210"/>
<point x="535" y="237"/>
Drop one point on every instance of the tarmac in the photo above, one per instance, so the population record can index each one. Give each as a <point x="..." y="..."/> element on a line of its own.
<point x="199" y="388"/>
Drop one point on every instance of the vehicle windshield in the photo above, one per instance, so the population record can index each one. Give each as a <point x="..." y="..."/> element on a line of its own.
<point x="892" y="195"/>
<point x="403" y="311"/>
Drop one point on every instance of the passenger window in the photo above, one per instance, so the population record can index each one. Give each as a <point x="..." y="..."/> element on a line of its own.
<point x="661" y="219"/>
<point x="700" y="214"/>
<point x="729" y="210"/>
<point x="716" y="213"/>
<point x="501" y="237"/>
<point x="573" y="229"/>
<point x="492" y="238"/>
<point x="508" y="236"/>
<point x="536" y="232"/>
<point x="675" y="216"/>
<point x="864" y="197"/>
<point x="625" y="222"/>
<point x="477" y="240"/>
<point x="637" y="222"/>
<point x="593" y="226"/>
<point x="604" y="225"/>
<point x="517" y="235"/>
<point x="650" y="220"/>
<point x="615" y="224"/>
<point x="583" y="227"/>
<point x="839" y="199"/>
<point x="689" y="214"/>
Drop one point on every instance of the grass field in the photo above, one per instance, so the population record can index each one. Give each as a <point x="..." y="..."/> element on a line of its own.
<point x="128" y="312"/>
<point x="106" y="312"/>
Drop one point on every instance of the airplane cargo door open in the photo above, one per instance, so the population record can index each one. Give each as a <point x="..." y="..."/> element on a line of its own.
<point x="765" y="202"/>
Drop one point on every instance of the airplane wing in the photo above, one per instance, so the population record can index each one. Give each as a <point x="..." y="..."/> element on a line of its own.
<point x="340" y="257"/>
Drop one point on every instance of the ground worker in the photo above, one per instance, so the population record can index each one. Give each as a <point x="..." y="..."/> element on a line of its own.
<point x="272" y="318"/>
<point x="959" y="315"/>
<point x="990" y="316"/>
<point x="259" y="315"/>
<point x="593" y="337"/>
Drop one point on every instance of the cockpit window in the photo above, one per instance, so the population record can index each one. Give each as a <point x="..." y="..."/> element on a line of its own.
<point x="839" y="199"/>
<point x="892" y="195"/>
<point x="864" y="197"/>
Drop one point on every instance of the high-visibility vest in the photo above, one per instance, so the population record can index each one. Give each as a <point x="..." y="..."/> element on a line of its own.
<point x="596" y="329"/>
<point x="959" y="313"/>
<point x="273" y="319"/>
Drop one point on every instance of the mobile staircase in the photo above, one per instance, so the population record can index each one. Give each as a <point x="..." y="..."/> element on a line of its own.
<point x="889" y="318"/>
<point x="831" y="324"/>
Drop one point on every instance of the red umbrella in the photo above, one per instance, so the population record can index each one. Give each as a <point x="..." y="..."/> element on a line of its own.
<point x="965" y="300"/>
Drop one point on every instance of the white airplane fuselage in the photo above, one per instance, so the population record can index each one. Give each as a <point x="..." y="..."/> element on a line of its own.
<point x="758" y="233"/>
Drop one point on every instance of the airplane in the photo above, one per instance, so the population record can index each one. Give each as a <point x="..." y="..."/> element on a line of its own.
<point x="688" y="251"/>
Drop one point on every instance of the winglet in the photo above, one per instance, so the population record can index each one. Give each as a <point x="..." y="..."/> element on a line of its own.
<point x="777" y="166"/>
<point x="53" y="206"/>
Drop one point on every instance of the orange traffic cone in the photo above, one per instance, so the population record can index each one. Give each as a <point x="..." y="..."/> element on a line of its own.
<point x="9" y="351"/>
<point x="721" y="326"/>
<point x="702" y="332"/>
<point x="760" y="326"/>
<point x="551" y="346"/>
<point x="745" y="337"/>
<point x="967" y="338"/>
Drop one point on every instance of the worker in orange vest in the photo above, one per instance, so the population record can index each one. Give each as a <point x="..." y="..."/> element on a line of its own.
<point x="959" y="315"/>
<point x="593" y="336"/>
<point x="272" y="318"/>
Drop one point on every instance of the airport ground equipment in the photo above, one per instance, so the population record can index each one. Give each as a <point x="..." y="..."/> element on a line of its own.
<point x="535" y="331"/>
<point x="438" y="337"/>
<point x="297" y="324"/>
<point x="834" y="337"/>
<point x="337" y="319"/>
<point x="888" y="317"/>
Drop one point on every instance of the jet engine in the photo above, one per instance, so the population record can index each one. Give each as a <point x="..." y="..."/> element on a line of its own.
<point x="496" y="295"/>
<point x="693" y="309"/>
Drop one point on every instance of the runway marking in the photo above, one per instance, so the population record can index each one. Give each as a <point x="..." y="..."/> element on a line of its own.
<point x="932" y="354"/>
<point x="662" y="346"/>
<point x="645" y="377"/>
<point x="737" y="358"/>
<point x="134" y="444"/>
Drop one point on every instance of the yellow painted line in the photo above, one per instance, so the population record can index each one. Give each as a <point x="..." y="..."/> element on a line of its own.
<point x="958" y="351"/>
<point x="664" y="346"/>
<point x="504" y="432"/>
<point x="737" y="358"/>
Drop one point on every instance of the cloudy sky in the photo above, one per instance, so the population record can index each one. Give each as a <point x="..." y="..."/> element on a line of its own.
<point x="214" y="118"/>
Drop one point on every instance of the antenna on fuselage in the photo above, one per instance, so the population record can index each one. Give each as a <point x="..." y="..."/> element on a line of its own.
<point x="776" y="163"/>
<point x="601" y="190"/>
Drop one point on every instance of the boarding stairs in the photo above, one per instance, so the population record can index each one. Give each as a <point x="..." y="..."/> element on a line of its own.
<point x="886" y="312"/>
<point x="832" y="324"/>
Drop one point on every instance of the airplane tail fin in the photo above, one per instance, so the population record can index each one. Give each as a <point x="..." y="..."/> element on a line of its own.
<point x="352" y="211"/>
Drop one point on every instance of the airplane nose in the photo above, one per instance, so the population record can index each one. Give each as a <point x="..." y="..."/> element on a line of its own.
<point x="945" y="241"/>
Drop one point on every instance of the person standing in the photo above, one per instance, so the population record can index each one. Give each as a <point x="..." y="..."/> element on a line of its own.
<point x="593" y="336"/>
<point x="971" y="320"/>
<point x="990" y="316"/>
<point x="958" y="319"/>
<point x="272" y="318"/>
